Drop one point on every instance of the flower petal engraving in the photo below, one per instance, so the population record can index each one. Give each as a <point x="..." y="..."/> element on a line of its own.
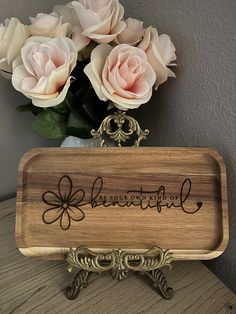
<point x="51" y="198"/>
<point x="76" y="213"/>
<point x="51" y="215"/>
<point x="76" y="197"/>
<point x="65" y="220"/>
<point x="65" y="204"/>
<point x="65" y="188"/>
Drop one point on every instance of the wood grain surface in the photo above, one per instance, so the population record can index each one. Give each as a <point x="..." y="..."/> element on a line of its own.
<point x="29" y="285"/>
<point x="129" y="198"/>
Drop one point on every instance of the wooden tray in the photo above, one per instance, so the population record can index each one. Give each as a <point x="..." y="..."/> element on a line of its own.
<point x="128" y="198"/>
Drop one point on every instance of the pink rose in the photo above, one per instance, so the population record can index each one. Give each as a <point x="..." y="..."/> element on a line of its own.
<point x="100" y="20"/>
<point x="49" y="25"/>
<point x="122" y="75"/>
<point x="160" y="52"/>
<point x="79" y="40"/>
<point x="133" y="32"/>
<point x="13" y="35"/>
<point x="68" y="15"/>
<point x="42" y="73"/>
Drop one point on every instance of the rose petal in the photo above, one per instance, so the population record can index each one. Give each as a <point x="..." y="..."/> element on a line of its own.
<point x="56" y="80"/>
<point x="28" y="84"/>
<point x="114" y="85"/>
<point x="43" y="24"/>
<point x="67" y="13"/>
<point x="26" y="58"/>
<point x="157" y="64"/>
<point x="125" y="104"/>
<point x="62" y="30"/>
<point x="160" y="52"/>
<point x="146" y="39"/>
<point x="150" y="75"/>
<point x="95" y="68"/>
<point x="102" y="39"/>
<point x="19" y="74"/>
<point x="46" y="101"/>
<point x="121" y="11"/>
<point x="118" y="13"/>
<point x="100" y="28"/>
<point x="40" y="87"/>
<point x="87" y="17"/>
<point x="79" y="40"/>
<point x="167" y="49"/>
<point x="96" y="83"/>
<point x="130" y="71"/>
<point x="17" y="40"/>
<point x="133" y="32"/>
<point x="100" y="20"/>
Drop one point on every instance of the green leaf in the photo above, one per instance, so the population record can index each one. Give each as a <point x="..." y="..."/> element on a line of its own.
<point x="88" y="105"/>
<point x="86" y="52"/>
<point x="79" y="126"/>
<point x="50" y="124"/>
<point x="64" y="108"/>
<point x="29" y="108"/>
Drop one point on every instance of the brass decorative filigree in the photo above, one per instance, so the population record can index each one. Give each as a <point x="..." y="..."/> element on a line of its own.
<point x="120" y="263"/>
<point x="119" y="128"/>
<point x="160" y="283"/>
<point x="80" y="281"/>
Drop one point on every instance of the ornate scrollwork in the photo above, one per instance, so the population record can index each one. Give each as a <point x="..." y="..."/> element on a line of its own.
<point x="81" y="281"/>
<point x="120" y="134"/>
<point x="160" y="283"/>
<point x="118" y="262"/>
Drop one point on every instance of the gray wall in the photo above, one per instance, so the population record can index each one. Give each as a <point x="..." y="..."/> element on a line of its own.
<point x="197" y="109"/>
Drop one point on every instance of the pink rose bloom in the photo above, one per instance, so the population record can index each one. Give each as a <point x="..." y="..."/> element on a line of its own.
<point x="160" y="52"/>
<point x="42" y="72"/>
<point x="68" y="16"/>
<point x="13" y="35"/>
<point x="49" y="25"/>
<point x="122" y="75"/>
<point x="99" y="20"/>
<point x="133" y="32"/>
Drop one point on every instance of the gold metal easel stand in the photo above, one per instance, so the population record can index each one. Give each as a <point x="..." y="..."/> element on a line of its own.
<point x="119" y="128"/>
<point x="119" y="263"/>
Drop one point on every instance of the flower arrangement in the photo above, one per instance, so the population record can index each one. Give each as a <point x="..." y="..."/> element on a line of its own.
<point x="82" y="61"/>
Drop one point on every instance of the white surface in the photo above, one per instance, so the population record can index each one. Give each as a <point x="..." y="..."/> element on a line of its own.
<point x="72" y="141"/>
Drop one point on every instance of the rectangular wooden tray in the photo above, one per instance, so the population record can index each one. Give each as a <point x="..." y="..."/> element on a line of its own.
<point x="128" y="198"/>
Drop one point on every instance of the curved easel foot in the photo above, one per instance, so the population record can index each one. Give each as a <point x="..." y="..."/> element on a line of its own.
<point x="80" y="281"/>
<point x="160" y="283"/>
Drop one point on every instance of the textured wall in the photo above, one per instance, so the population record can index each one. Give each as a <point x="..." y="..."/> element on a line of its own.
<point x="197" y="109"/>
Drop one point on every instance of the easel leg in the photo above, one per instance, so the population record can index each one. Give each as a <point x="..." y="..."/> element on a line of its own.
<point x="80" y="281"/>
<point x="160" y="283"/>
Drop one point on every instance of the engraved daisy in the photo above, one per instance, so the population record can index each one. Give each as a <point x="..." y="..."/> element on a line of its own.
<point x="64" y="205"/>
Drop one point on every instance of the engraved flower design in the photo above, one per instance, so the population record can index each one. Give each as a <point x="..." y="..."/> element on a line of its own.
<point x="64" y="206"/>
